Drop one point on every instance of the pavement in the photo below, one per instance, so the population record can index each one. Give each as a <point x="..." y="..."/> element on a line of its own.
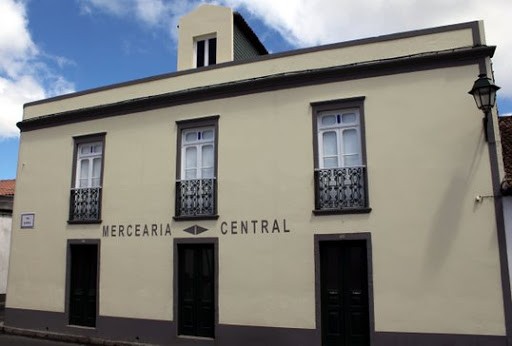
<point x="37" y="337"/>
<point x="10" y="336"/>
<point x="16" y="340"/>
<point x="18" y="336"/>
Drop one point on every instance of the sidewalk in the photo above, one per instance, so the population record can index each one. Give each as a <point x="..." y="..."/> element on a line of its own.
<point x="78" y="339"/>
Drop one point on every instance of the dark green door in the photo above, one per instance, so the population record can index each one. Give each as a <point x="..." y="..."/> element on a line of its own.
<point x="196" y="313"/>
<point x="344" y="293"/>
<point x="83" y="283"/>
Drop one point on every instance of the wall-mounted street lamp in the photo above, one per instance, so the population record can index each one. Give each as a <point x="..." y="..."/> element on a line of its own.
<point x="484" y="92"/>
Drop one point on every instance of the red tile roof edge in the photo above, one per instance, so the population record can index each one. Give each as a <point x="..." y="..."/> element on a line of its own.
<point x="7" y="187"/>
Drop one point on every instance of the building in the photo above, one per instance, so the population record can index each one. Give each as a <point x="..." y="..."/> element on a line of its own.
<point x="322" y="196"/>
<point x="6" y="201"/>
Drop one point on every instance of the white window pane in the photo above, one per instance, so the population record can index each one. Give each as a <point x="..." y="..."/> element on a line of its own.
<point x="96" y="172"/>
<point x="191" y="136"/>
<point x="350" y="142"/>
<point x="84" y="149"/>
<point x="207" y="135"/>
<point x="207" y="156"/>
<point x="96" y="167"/>
<point x="84" y="169"/>
<point x="328" y="120"/>
<point x="97" y="148"/>
<point x="330" y="162"/>
<point x="207" y="173"/>
<point x="190" y="157"/>
<point x="352" y="160"/>
<point x="191" y="173"/>
<point x="207" y="164"/>
<point x="349" y="118"/>
<point x="330" y="146"/>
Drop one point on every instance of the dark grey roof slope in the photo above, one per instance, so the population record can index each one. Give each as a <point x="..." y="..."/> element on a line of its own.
<point x="249" y="34"/>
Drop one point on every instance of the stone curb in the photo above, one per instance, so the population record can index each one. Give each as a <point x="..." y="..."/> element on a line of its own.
<point x="79" y="339"/>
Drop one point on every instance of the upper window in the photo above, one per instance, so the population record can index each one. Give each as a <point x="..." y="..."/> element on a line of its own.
<point x="196" y="181"/>
<point x="206" y="51"/>
<point x="197" y="148"/>
<point x="340" y="139"/>
<point x="85" y="200"/>
<point x="340" y="164"/>
<point x="89" y="165"/>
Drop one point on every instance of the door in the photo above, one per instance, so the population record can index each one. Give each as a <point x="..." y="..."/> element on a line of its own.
<point x="83" y="284"/>
<point x="196" y="313"/>
<point x="344" y="293"/>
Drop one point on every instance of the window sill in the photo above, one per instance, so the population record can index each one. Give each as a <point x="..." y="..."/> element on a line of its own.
<point x="198" y="217"/>
<point x="85" y="222"/>
<point x="342" y="211"/>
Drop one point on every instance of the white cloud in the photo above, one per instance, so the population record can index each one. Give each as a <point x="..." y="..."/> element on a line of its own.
<point x="16" y="46"/>
<point x="150" y="11"/>
<point x="23" y="72"/>
<point x="13" y="94"/>
<point x="162" y="14"/>
<point x="117" y="7"/>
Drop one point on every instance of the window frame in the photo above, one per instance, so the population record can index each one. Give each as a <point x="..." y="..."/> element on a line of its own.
<point x="198" y="144"/>
<point x="339" y="128"/>
<point x="207" y="42"/>
<point x="181" y="127"/>
<point x="77" y="142"/>
<point x="340" y="104"/>
<point x="91" y="158"/>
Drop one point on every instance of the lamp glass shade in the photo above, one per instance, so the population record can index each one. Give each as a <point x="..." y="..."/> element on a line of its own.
<point x="484" y="93"/>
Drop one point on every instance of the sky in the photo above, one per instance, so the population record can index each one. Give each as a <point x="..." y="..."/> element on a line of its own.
<point x="54" y="47"/>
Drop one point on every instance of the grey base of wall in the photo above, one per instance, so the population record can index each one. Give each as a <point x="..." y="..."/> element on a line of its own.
<point x="164" y="332"/>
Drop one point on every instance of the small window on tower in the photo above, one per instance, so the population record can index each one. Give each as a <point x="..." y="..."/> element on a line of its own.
<point x="206" y="51"/>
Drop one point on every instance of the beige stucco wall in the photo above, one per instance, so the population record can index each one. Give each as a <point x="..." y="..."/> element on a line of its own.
<point x="329" y="57"/>
<point x="435" y="254"/>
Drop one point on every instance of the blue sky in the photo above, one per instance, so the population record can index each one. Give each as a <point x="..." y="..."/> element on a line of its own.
<point x="53" y="47"/>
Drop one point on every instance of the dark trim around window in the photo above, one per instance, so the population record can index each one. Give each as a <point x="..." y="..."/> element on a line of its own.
<point x="190" y="124"/>
<point x="317" y="107"/>
<point x="96" y="137"/>
<point x="77" y="141"/>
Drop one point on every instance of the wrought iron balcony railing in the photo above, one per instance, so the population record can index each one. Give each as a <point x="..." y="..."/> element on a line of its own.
<point x="196" y="197"/>
<point x="340" y="188"/>
<point x="85" y="204"/>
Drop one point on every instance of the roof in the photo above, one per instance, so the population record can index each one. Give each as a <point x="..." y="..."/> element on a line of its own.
<point x="240" y="21"/>
<point x="506" y="143"/>
<point x="271" y="82"/>
<point x="7" y="187"/>
<point x="249" y="33"/>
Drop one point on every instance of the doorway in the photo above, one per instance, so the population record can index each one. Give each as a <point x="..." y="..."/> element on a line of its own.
<point x="196" y="290"/>
<point x="344" y="293"/>
<point x="83" y="284"/>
